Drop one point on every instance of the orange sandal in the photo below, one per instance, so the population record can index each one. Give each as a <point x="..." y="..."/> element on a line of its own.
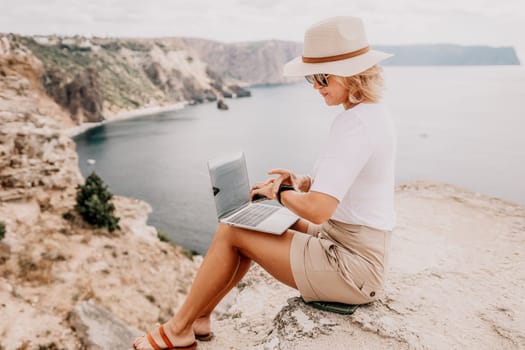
<point x="168" y="343"/>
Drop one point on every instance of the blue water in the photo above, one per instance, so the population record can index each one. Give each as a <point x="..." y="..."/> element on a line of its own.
<point x="459" y="125"/>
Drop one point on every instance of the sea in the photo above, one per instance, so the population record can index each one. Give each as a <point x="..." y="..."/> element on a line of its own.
<point x="461" y="125"/>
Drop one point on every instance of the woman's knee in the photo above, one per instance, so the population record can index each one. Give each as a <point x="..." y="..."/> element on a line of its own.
<point x="224" y="233"/>
<point x="231" y="236"/>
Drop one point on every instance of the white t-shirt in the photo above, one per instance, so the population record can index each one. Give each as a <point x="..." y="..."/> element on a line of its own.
<point x="356" y="166"/>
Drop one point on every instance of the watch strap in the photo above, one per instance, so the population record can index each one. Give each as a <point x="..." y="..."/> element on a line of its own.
<point x="283" y="188"/>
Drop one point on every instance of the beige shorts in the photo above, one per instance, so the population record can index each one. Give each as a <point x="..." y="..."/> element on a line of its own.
<point x="340" y="262"/>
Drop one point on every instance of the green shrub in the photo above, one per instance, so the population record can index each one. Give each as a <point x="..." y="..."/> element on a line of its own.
<point x="68" y="215"/>
<point x="2" y="230"/>
<point x="50" y="346"/>
<point x="190" y="253"/>
<point x="93" y="203"/>
<point x="163" y="236"/>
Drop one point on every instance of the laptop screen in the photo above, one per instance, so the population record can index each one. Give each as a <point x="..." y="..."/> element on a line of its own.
<point x="229" y="179"/>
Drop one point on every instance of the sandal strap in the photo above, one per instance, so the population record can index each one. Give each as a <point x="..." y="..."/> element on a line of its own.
<point x="165" y="337"/>
<point x="152" y="342"/>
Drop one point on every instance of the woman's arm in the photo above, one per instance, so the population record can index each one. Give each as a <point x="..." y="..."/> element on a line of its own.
<point x="315" y="207"/>
<point x="288" y="177"/>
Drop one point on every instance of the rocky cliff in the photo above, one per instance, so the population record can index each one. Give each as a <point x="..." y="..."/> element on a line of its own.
<point x="94" y="79"/>
<point x="36" y="161"/>
<point x="48" y="265"/>
<point x="252" y="63"/>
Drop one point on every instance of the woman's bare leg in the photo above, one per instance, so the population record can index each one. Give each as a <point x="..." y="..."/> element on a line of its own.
<point x="202" y="325"/>
<point x="220" y="268"/>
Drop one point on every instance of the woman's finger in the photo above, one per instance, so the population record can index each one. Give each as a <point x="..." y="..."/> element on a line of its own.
<point x="260" y="184"/>
<point x="253" y="193"/>
<point x="269" y="181"/>
<point x="277" y="183"/>
<point x="279" y="171"/>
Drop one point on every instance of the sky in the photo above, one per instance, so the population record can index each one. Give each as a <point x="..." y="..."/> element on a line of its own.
<point x="387" y="22"/>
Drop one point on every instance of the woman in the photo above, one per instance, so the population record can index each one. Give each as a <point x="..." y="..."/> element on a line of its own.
<point x="338" y="250"/>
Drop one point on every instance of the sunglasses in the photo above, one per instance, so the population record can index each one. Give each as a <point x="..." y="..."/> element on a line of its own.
<point x="321" y="79"/>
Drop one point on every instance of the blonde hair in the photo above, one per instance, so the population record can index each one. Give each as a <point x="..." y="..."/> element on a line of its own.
<point x="366" y="86"/>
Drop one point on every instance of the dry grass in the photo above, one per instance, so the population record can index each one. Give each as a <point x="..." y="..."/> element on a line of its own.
<point x="34" y="271"/>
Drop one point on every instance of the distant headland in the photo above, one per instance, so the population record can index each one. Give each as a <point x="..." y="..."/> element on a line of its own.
<point x="450" y="55"/>
<point x="94" y="79"/>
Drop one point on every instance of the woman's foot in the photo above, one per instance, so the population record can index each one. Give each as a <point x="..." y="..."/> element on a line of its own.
<point x="202" y="328"/>
<point x="166" y="338"/>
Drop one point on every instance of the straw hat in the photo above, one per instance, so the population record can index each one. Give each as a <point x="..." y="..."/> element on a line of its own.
<point x="338" y="46"/>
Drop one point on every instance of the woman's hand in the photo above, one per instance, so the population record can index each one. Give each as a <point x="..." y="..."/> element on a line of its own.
<point x="315" y="207"/>
<point x="264" y="189"/>
<point x="287" y="177"/>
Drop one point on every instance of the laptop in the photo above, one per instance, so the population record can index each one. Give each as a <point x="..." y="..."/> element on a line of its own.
<point x="231" y="191"/>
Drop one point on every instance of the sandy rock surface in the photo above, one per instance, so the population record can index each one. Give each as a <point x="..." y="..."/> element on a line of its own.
<point x="456" y="282"/>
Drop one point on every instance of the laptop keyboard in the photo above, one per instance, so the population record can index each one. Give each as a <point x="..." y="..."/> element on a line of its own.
<point x="253" y="215"/>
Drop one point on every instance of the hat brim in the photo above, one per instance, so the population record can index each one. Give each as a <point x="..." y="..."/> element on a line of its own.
<point x="345" y="68"/>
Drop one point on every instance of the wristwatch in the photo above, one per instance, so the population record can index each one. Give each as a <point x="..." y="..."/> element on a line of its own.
<point x="283" y="188"/>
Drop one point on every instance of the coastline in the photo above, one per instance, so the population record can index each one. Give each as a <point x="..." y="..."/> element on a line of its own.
<point x="130" y="114"/>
